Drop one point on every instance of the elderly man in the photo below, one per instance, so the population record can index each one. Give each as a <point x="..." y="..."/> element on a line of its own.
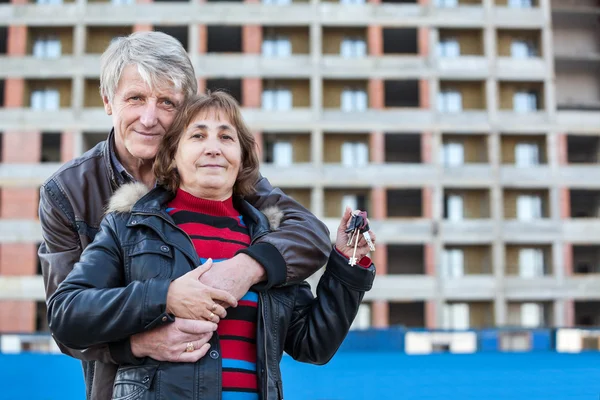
<point x="144" y="79"/>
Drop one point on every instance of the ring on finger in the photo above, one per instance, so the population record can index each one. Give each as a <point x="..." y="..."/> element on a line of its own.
<point x="211" y="315"/>
<point x="189" y="347"/>
<point x="214" y="307"/>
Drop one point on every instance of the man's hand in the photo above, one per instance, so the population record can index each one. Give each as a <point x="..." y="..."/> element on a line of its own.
<point x="189" y="298"/>
<point x="169" y="342"/>
<point x="235" y="275"/>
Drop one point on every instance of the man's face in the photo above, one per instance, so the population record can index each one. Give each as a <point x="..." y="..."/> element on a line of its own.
<point x="140" y="116"/>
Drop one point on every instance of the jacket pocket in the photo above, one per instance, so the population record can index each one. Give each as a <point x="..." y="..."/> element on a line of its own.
<point x="149" y="259"/>
<point x="133" y="383"/>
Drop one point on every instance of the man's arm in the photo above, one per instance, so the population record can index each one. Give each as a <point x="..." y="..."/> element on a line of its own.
<point x="301" y="239"/>
<point x="58" y="254"/>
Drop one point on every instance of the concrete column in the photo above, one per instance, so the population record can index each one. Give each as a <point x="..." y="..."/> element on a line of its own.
<point x="316" y="80"/>
<point x="67" y="146"/>
<point x="316" y="147"/>
<point x="317" y="198"/>
<point x="378" y="208"/>
<point x="427" y="156"/>
<point x="548" y="55"/>
<point x="427" y="202"/>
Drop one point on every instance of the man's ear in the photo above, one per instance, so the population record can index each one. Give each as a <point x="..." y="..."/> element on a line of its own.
<point x="107" y="106"/>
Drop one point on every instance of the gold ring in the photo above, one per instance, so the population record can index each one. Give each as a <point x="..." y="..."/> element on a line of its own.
<point x="190" y="347"/>
<point x="214" y="307"/>
<point x="211" y="315"/>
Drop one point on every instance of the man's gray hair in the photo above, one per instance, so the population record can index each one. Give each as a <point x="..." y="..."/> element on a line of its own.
<point x="160" y="59"/>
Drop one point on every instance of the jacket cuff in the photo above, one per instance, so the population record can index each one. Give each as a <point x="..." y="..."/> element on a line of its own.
<point x="356" y="278"/>
<point x="271" y="260"/>
<point x="155" y="304"/>
<point x="121" y="353"/>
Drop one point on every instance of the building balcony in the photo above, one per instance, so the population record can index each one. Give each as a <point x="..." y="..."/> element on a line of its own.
<point x="463" y="67"/>
<point x="581" y="230"/>
<point x="513" y="69"/>
<point x="464" y="16"/>
<point x="541" y="231"/>
<point x="469" y="287"/>
<point x="505" y="17"/>
<point x="64" y="67"/>
<point x="510" y="120"/>
<point x="467" y="175"/>
<point x="540" y="288"/>
<point x="526" y="177"/>
<point x="468" y="231"/>
<point x="26" y="175"/>
<point x="578" y="121"/>
<point x="341" y="176"/>
<point x="393" y="230"/>
<point x="402" y="288"/>
<point x="579" y="176"/>
<point x="240" y="65"/>
<point x="335" y="66"/>
<point x="20" y="231"/>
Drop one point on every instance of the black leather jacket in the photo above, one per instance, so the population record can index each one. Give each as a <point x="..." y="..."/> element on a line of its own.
<point x="72" y="204"/>
<point x="140" y="252"/>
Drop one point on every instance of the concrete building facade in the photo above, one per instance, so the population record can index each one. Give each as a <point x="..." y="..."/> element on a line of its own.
<point x="468" y="129"/>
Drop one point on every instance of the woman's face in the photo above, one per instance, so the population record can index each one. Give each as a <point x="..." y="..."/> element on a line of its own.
<point x="209" y="156"/>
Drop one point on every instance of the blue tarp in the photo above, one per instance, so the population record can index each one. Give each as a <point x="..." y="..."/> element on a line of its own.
<point x="364" y="375"/>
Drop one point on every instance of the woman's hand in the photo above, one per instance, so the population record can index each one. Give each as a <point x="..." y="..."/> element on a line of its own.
<point x="341" y="242"/>
<point x="191" y="299"/>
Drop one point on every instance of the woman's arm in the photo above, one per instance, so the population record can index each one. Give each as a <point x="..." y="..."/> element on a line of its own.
<point x="319" y="325"/>
<point x="92" y="305"/>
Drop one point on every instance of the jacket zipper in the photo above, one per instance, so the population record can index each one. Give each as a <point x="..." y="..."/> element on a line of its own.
<point x="266" y="375"/>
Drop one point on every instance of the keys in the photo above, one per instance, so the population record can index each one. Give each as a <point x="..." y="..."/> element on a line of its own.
<point x="358" y="225"/>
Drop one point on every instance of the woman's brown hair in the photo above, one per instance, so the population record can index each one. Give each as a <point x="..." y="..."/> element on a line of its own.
<point x="222" y="104"/>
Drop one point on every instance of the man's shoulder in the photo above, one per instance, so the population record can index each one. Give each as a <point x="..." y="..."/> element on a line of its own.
<point x="80" y="170"/>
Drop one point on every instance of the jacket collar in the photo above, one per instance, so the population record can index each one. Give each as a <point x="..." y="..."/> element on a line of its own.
<point x="107" y="157"/>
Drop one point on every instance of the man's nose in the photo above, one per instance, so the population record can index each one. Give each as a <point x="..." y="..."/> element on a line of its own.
<point x="149" y="114"/>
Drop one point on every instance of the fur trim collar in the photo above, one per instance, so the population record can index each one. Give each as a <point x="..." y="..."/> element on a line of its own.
<point x="125" y="197"/>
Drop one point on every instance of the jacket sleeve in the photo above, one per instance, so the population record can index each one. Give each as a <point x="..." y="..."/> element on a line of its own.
<point x="93" y="306"/>
<point x="319" y="325"/>
<point x="300" y="245"/>
<point x="58" y="253"/>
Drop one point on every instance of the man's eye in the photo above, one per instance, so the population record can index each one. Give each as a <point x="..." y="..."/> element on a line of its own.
<point x="169" y="103"/>
<point x="135" y="98"/>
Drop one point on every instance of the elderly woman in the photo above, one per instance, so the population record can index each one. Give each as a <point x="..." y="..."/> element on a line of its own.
<point x="150" y="244"/>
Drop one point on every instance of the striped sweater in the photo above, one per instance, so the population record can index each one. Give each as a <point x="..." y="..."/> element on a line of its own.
<point x="218" y="232"/>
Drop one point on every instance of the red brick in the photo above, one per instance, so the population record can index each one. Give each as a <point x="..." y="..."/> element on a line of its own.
<point x="202" y="39"/>
<point x="561" y="149"/>
<point x="16" y="40"/>
<point x="565" y="203"/>
<point x="18" y="259"/>
<point x="19" y="203"/>
<point x="15" y="142"/>
<point x="251" y="39"/>
<point x="429" y="259"/>
<point x="14" y="92"/>
<point x="67" y="146"/>
<point x="143" y="27"/>
<point x="423" y="41"/>
<point x="380" y="314"/>
<point x="375" y="39"/>
<point x="251" y="92"/>
<point x="201" y="85"/>
<point x="424" y="100"/>
<point x="427" y="199"/>
<point x="430" y="315"/>
<point x="17" y="316"/>
<point x="258" y="136"/>
<point x="569" y="313"/>
<point x="376" y="94"/>
<point x="378" y="207"/>
<point x="426" y="154"/>
<point x="568" y="259"/>
<point x="380" y="259"/>
<point x="377" y="147"/>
